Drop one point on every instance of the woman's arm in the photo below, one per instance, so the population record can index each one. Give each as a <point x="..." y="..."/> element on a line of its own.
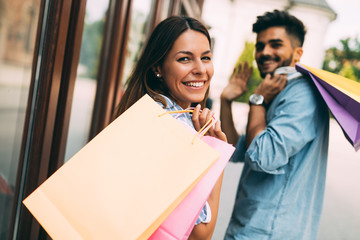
<point x="204" y="231"/>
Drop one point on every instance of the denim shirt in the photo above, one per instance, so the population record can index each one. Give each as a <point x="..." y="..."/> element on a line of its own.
<point x="205" y="214"/>
<point x="281" y="189"/>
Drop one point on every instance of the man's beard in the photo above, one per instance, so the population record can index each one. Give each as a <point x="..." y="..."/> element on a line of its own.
<point x="285" y="63"/>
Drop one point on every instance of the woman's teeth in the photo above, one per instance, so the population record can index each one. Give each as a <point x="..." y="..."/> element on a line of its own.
<point x="194" y="84"/>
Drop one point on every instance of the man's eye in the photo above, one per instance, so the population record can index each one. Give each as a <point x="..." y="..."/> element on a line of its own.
<point x="276" y="45"/>
<point x="259" y="47"/>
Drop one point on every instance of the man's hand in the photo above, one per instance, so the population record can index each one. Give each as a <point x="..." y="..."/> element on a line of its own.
<point x="271" y="86"/>
<point x="238" y="82"/>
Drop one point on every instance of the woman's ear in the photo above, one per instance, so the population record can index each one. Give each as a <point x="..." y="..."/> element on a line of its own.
<point x="157" y="71"/>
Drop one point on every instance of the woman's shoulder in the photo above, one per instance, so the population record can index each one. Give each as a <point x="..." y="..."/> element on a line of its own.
<point x="170" y="104"/>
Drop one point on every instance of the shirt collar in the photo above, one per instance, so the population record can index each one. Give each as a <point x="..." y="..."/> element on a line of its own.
<point x="291" y="72"/>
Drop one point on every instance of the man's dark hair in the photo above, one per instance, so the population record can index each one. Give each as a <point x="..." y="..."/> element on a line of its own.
<point x="293" y="26"/>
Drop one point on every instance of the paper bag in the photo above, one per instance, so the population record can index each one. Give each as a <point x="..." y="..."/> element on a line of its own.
<point x="342" y="97"/>
<point x="126" y="181"/>
<point x="182" y="220"/>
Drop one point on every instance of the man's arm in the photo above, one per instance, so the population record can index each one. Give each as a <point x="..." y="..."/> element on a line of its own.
<point x="235" y="88"/>
<point x="297" y="119"/>
<point x="268" y="88"/>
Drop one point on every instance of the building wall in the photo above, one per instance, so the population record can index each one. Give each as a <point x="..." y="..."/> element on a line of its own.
<point x="18" y="22"/>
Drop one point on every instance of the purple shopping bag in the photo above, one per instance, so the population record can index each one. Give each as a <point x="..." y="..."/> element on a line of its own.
<point x="342" y="97"/>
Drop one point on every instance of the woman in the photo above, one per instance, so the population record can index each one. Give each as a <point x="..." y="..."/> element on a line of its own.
<point x="175" y="69"/>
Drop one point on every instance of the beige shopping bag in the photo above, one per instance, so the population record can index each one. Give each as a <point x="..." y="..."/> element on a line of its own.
<point x="126" y="181"/>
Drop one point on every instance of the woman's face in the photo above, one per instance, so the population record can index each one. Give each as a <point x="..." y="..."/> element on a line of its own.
<point x="188" y="69"/>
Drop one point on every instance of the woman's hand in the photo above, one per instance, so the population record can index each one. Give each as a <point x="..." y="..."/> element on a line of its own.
<point x="200" y="118"/>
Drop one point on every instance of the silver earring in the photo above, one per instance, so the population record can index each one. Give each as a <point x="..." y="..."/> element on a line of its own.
<point x="158" y="75"/>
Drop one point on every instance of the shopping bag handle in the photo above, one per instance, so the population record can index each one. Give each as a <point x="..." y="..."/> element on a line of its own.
<point x="203" y="130"/>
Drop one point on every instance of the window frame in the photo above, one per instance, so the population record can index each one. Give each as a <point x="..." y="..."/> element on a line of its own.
<point x="54" y="68"/>
<point x="48" y="110"/>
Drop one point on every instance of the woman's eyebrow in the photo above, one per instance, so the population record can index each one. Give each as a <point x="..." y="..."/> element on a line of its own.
<point x="190" y="53"/>
<point x="184" y="52"/>
<point x="207" y="52"/>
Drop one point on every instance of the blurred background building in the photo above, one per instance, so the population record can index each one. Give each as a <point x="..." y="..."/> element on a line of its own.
<point x="231" y="26"/>
<point x="63" y="65"/>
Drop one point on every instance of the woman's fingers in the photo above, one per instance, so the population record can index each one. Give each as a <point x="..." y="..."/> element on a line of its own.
<point x="202" y="117"/>
<point x="205" y="115"/>
<point x="195" y="117"/>
<point x="218" y="132"/>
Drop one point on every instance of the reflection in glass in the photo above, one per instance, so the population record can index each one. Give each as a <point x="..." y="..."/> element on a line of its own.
<point x="85" y="85"/>
<point x="166" y="9"/>
<point x="18" y="24"/>
<point x="139" y="28"/>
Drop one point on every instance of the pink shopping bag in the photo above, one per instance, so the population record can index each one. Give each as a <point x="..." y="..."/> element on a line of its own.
<point x="179" y="224"/>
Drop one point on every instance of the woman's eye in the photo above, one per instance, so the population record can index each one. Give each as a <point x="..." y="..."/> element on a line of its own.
<point x="207" y="58"/>
<point x="183" y="59"/>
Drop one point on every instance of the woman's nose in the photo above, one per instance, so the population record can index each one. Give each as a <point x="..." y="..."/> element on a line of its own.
<point x="199" y="67"/>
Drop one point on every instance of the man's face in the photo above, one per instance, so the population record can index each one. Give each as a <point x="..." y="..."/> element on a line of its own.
<point x="274" y="50"/>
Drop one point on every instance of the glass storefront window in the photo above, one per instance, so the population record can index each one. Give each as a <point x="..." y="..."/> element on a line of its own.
<point x="139" y="29"/>
<point x="18" y="25"/>
<point x="165" y="9"/>
<point x="85" y="84"/>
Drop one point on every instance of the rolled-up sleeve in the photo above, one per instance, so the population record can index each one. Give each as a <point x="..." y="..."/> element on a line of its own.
<point x="290" y="126"/>
<point x="240" y="149"/>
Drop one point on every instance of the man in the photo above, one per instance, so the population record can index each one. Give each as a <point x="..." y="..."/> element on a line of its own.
<point x="281" y="188"/>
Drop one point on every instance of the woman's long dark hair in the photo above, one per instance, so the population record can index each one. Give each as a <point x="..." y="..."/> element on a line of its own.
<point x="142" y="79"/>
